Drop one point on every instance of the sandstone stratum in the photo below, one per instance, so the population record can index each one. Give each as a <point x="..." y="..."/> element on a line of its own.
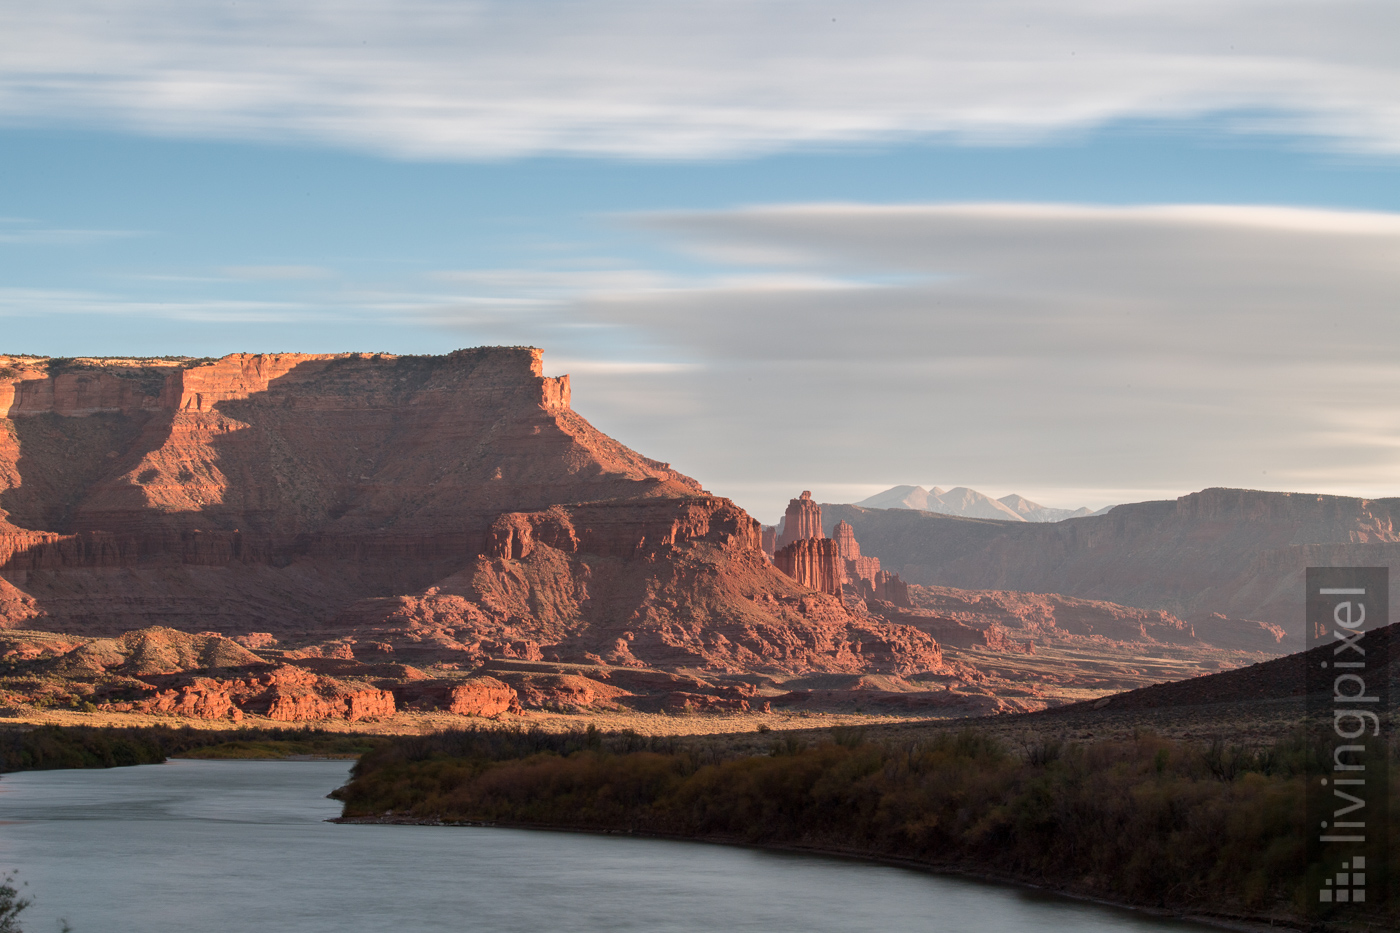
<point x="309" y="537"/>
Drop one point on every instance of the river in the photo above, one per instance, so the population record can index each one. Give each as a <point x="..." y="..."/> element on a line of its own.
<point x="209" y="847"/>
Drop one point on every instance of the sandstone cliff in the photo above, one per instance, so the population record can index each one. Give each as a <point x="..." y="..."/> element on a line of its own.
<point x="803" y="520"/>
<point x="437" y="510"/>
<point x="833" y="565"/>
<point x="269" y="491"/>
<point x="813" y="562"/>
<point x="670" y="583"/>
<point x="1223" y="559"/>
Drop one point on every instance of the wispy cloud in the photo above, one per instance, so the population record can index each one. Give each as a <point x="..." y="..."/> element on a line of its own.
<point x="276" y="273"/>
<point x="1030" y="347"/>
<point x="1037" y="348"/>
<point x="447" y="79"/>
<point x="17" y="230"/>
<point x="558" y="365"/>
<point x="37" y="302"/>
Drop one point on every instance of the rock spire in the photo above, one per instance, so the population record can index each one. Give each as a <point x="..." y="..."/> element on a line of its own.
<point x="803" y="520"/>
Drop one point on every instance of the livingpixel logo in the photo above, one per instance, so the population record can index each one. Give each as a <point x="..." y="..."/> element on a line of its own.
<point x="1348" y="697"/>
<point x="1350" y="884"/>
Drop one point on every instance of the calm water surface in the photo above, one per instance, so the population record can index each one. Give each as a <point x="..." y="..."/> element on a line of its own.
<point x="237" y="846"/>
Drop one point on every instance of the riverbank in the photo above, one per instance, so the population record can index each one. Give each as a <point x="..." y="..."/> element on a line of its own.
<point x="1186" y="830"/>
<point x="1241" y="924"/>
<point x="145" y="829"/>
<point x="48" y="748"/>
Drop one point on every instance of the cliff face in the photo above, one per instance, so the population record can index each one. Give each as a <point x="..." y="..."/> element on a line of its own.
<point x="436" y="508"/>
<point x="813" y="562"/>
<point x="803" y="520"/>
<point x="846" y="544"/>
<point x="335" y="447"/>
<point x="1209" y="557"/>
<point x="668" y="583"/>
<point x="371" y="474"/>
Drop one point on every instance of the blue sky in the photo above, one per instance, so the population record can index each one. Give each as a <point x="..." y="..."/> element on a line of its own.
<point x="754" y="265"/>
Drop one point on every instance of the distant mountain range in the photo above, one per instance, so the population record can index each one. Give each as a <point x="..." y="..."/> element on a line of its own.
<point x="971" y="504"/>
<point x="1232" y="554"/>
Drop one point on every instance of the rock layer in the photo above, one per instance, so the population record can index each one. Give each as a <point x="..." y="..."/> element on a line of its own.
<point x="278" y="487"/>
<point x="813" y="562"/>
<point x="422" y="509"/>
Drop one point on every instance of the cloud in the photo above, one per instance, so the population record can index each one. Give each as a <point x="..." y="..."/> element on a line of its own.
<point x="40" y="302"/>
<point x="560" y="365"/>
<point x="20" y="231"/>
<point x="1053" y="350"/>
<point x="1025" y="347"/>
<point x="491" y="79"/>
<point x="276" y="273"/>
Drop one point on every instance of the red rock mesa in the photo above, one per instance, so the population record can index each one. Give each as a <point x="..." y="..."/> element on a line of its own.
<point x="434" y="507"/>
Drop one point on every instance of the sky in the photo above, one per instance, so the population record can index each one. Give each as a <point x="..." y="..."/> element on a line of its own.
<point x="1087" y="252"/>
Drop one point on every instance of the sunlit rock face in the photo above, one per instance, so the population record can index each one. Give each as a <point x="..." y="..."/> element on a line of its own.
<point x="434" y="509"/>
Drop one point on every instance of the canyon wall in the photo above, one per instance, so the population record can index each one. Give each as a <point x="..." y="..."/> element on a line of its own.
<point x="1230" y="554"/>
<point x="448" y="509"/>
<point x="813" y="562"/>
<point x="211" y="480"/>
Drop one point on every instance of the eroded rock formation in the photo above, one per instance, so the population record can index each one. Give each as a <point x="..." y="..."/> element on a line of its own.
<point x="802" y="521"/>
<point x="277" y="487"/>
<point x="835" y="564"/>
<point x="481" y="696"/>
<point x="845" y="537"/>
<point x="862" y="573"/>
<point x="663" y="583"/>
<point x="813" y="562"/>
<point x="345" y="517"/>
<point x="884" y="586"/>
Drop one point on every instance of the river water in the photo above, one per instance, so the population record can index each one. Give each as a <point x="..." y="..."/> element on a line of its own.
<point x="209" y="847"/>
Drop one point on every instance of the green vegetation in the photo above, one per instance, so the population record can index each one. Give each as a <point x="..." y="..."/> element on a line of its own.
<point x="150" y="379"/>
<point x="1147" y="821"/>
<point x="319" y="745"/>
<point x="52" y="747"/>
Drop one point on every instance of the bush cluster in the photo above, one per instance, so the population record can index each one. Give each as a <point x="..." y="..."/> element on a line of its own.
<point x="47" y="748"/>
<point x="1147" y="821"/>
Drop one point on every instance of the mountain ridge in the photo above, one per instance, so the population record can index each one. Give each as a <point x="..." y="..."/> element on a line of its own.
<point x="1235" y="553"/>
<point x="961" y="500"/>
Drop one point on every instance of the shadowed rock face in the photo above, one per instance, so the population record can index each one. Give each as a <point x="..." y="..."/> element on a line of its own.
<point x="846" y="544"/>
